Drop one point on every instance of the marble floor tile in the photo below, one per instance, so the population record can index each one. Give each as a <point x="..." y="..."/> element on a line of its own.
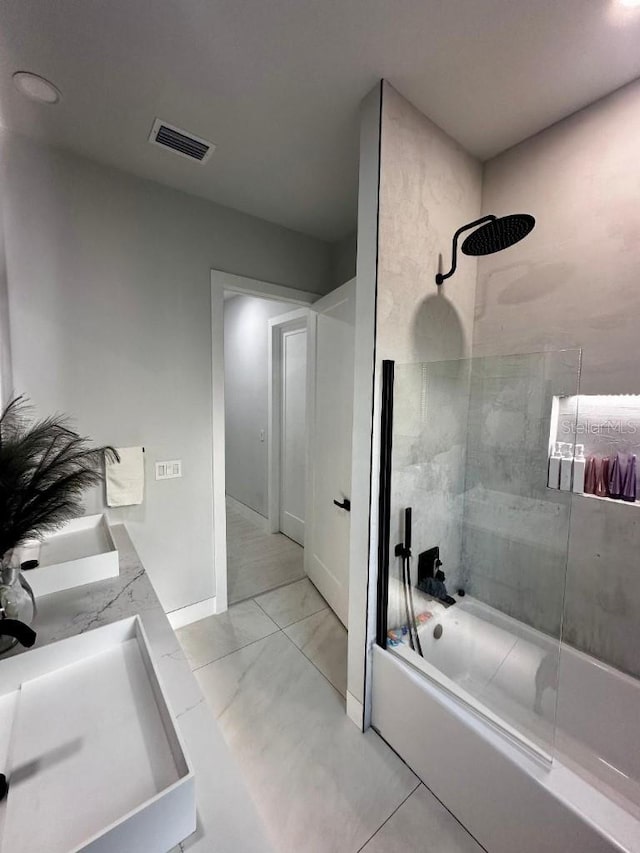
<point x="323" y="639"/>
<point x="258" y="561"/>
<point x="292" y="603"/>
<point x="422" y="825"/>
<point x="230" y="824"/>
<point x="320" y="785"/>
<point x="216" y="636"/>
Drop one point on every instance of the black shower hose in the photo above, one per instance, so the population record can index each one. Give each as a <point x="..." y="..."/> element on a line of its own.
<point x="414" y="639"/>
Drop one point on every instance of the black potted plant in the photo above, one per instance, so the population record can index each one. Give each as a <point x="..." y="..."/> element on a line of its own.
<point x="45" y="467"/>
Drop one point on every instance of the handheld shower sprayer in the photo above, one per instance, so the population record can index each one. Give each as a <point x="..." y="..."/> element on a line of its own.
<point x="403" y="550"/>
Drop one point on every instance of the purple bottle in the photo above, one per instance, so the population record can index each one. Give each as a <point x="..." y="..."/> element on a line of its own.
<point x="602" y="477"/>
<point x="629" y="484"/>
<point x="590" y="476"/>
<point x="616" y="476"/>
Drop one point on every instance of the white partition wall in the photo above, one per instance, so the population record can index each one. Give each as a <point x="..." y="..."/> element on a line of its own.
<point x="362" y="573"/>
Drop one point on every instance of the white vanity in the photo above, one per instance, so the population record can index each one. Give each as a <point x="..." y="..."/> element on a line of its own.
<point x="109" y="743"/>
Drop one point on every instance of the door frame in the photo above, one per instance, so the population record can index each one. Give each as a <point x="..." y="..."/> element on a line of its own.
<point x="362" y="575"/>
<point x="289" y="322"/>
<point x="221" y="281"/>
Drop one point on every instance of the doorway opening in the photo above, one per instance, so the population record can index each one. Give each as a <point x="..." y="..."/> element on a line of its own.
<point x="297" y="524"/>
<point x="265" y="374"/>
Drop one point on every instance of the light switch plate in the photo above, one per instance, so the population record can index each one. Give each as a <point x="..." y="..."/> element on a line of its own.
<point x="169" y="470"/>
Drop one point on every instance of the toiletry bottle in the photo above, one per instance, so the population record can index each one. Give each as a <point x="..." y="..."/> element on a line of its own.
<point x="566" y="467"/>
<point x="630" y="484"/>
<point x="579" y="463"/>
<point x="553" y="480"/>
<point x="602" y="477"/>
<point x="590" y="475"/>
<point x="615" y="479"/>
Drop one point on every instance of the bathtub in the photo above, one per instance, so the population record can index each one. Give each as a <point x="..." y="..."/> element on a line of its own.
<point x="598" y="725"/>
<point x="529" y="751"/>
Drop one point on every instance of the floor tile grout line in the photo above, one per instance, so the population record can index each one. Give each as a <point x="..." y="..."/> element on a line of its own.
<point x="255" y="601"/>
<point x="308" y="616"/>
<point x="384" y="822"/>
<point x="421" y="782"/>
<point x="457" y="819"/>
<point x="302" y="618"/>
<point x="272" y="634"/>
<point x="344" y="698"/>
<point x="255" y="595"/>
<point x="239" y="649"/>
<point x="282" y="630"/>
<point x="305" y="577"/>
<point x="270" y="618"/>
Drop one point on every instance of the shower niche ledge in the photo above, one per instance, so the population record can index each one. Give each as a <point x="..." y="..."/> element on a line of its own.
<point x="87" y="739"/>
<point x="611" y="501"/>
<point x="594" y="445"/>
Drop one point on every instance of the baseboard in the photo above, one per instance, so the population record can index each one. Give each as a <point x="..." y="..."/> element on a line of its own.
<point x="355" y="710"/>
<point x="192" y="612"/>
<point x="248" y="513"/>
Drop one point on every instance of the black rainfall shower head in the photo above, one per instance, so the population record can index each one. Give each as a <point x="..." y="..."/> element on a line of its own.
<point x="498" y="234"/>
<point x="494" y="235"/>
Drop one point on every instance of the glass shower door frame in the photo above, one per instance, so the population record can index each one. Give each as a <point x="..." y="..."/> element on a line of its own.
<point x="534" y="747"/>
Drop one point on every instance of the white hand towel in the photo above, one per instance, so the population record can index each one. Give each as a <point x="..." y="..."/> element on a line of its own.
<point x="125" y="479"/>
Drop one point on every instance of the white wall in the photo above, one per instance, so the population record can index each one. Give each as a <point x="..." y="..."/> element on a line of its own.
<point x="6" y="378"/>
<point x="109" y="299"/>
<point x="246" y="387"/>
<point x="428" y="186"/>
<point x="362" y="574"/>
<point x="343" y="259"/>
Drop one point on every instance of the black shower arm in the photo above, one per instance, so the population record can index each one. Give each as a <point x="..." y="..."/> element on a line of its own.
<point x="440" y="277"/>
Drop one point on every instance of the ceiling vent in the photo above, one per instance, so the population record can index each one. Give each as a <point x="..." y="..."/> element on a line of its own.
<point x="180" y="142"/>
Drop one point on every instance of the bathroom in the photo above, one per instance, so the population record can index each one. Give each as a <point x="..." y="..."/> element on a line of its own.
<point x="476" y="678"/>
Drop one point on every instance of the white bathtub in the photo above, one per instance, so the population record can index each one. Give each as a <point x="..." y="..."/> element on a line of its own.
<point x="493" y="684"/>
<point x="598" y="725"/>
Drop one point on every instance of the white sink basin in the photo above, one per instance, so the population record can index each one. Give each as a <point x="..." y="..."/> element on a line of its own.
<point x="83" y="551"/>
<point x="94" y="759"/>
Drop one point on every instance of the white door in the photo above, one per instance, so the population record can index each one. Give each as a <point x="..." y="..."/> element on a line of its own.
<point x="293" y="433"/>
<point x="330" y="413"/>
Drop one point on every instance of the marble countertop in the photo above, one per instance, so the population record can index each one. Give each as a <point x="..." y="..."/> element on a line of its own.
<point x="227" y="819"/>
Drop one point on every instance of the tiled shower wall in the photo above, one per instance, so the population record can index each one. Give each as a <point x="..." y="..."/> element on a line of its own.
<point x="429" y="186"/>
<point x="574" y="282"/>
<point x="515" y="531"/>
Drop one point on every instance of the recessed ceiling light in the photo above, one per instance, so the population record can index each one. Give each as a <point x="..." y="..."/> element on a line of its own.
<point x="36" y="87"/>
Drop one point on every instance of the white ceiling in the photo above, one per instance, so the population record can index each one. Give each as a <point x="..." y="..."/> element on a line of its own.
<point x="276" y="84"/>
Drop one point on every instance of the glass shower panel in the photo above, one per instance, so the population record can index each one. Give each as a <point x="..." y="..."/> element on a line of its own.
<point x="476" y="601"/>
